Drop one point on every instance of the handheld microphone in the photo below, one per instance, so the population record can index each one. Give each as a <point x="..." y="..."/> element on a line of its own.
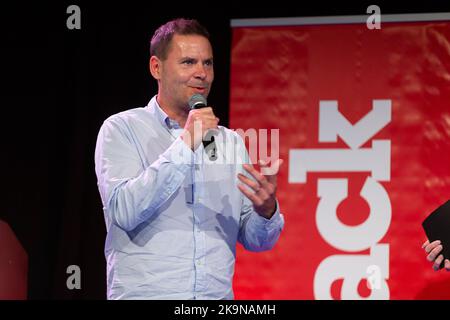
<point x="197" y="101"/>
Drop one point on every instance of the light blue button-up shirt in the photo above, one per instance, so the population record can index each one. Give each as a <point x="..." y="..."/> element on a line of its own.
<point x="173" y="217"/>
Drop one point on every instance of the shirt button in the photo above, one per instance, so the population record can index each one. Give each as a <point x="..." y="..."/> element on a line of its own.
<point x="199" y="262"/>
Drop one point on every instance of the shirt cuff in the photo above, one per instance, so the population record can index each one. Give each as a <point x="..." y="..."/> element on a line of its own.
<point x="276" y="221"/>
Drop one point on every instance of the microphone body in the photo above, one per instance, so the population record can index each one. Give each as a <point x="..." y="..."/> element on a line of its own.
<point x="197" y="101"/>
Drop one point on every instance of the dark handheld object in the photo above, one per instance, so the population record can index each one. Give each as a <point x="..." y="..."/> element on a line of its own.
<point x="197" y="101"/>
<point x="437" y="227"/>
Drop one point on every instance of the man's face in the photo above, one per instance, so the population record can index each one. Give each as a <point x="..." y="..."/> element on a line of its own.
<point x="188" y="69"/>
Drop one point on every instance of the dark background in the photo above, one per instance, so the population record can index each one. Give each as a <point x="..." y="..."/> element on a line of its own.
<point x="59" y="85"/>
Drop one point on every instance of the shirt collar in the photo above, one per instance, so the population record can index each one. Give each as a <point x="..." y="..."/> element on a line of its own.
<point x="162" y="117"/>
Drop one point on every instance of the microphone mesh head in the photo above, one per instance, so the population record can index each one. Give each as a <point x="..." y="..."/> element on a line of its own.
<point x="197" y="101"/>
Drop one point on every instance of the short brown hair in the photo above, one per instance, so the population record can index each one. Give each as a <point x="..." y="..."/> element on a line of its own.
<point x="160" y="43"/>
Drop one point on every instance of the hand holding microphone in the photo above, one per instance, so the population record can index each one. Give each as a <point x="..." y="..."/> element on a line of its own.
<point x="201" y="120"/>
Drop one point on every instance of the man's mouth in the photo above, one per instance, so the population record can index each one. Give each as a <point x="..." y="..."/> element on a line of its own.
<point x="200" y="89"/>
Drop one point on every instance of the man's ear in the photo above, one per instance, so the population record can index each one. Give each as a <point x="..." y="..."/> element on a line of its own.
<point x="155" y="67"/>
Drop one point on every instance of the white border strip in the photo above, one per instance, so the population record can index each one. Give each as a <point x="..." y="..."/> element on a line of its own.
<point x="267" y="22"/>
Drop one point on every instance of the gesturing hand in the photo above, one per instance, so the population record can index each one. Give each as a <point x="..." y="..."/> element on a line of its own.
<point x="263" y="189"/>
<point x="433" y="249"/>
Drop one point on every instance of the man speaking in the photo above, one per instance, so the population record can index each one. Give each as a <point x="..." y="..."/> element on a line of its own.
<point x="173" y="214"/>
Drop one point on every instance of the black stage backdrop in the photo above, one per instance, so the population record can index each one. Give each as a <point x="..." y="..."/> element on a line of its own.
<point x="58" y="87"/>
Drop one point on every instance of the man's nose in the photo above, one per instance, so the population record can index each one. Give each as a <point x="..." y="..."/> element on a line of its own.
<point x="200" y="72"/>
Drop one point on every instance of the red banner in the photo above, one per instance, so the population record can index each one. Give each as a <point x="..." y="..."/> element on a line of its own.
<point x="364" y="129"/>
<point x="13" y="266"/>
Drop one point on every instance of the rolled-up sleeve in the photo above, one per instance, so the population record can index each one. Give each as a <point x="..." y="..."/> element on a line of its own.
<point x="257" y="233"/>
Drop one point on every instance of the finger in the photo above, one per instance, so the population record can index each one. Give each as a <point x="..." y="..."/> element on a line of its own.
<point x="438" y="262"/>
<point x="447" y="264"/>
<point x="432" y="245"/>
<point x="261" y="192"/>
<point x="255" y="174"/>
<point x="204" y="113"/>
<point x="425" y="244"/>
<point x="252" y="196"/>
<point x="263" y="163"/>
<point x="205" y="110"/>
<point x="433" y="254"/>
<point x="210" y="124"/>
<point x="249" y="182"/>
<point x="209" y="118"/>
<point x="271" y="171"/>
<point x="213" y="123"/>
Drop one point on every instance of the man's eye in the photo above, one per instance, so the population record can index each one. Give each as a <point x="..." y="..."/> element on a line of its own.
<point x="188" y="61"/>
<point x="209" y="63"/>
